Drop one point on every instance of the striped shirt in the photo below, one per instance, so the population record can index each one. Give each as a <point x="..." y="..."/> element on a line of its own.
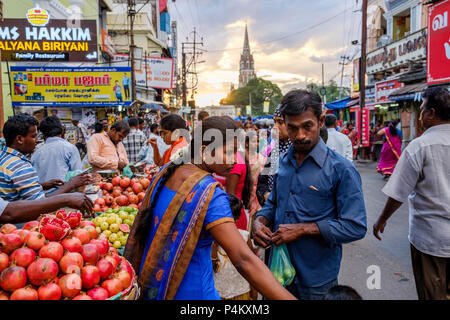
<point x="18" y="179"/>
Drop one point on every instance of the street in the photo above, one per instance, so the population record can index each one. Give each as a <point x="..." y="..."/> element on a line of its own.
<point x="391" y="255"/>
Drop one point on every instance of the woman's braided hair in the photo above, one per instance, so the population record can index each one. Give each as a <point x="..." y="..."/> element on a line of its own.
<point x="219" y="123"/>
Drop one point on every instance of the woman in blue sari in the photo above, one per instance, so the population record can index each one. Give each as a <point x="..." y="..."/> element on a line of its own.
<point x="183" y="212"/>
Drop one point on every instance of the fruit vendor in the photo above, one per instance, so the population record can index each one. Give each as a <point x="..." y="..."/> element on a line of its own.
<point x="316" y="203"/>
<point x="18" y="178"/>
<point x="27" y="210"/>
<point x="106" y="151"/>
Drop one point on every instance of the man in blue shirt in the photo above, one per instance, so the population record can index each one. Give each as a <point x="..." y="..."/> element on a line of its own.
<point x="316" y="203"/>
<point x="126" y="85"/>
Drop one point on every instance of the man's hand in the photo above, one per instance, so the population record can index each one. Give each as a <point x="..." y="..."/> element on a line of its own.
<point x="54" y="183"/>
<point x="379" y="227"/>
<point x="80" y="202"/>
<point x="79" y="180"/>
<point x="261" y="234"/>
<point x="122" y="164"/>
<point x="287" y="233"/>
<point x="153" y="142"/>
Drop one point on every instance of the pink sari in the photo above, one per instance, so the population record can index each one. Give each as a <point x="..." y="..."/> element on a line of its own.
<point x="390" y="153"/>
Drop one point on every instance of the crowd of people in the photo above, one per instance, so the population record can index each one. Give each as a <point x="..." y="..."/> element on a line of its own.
<point x="207" y="225"/>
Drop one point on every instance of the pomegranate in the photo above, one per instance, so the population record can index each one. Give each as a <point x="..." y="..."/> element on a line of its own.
<point x="82" y="234"/>
<point x="90" y="253"/>
<point x="90" y="276"/>
<point x="86" y="223"/>
<point x="115" y="181"/>
<point x="42" y="271"/>
<point x="73" y="218"/>
<point x="124" y="277"/>
<point x="137" y="187"/>
<point x="129" y="190"/>
<point x="113" y="286"/>
<point x="72" y="244"/>
<point x="23" y="257"/>
<point x="122" y="200"/>
<point x="134" y="181"/>
<point x="4" y="261"/>
<point x="26" y="293"/>
<point x="133" y="199"/>
<point x="100" y="201"/>
<point x="22" y="233"/>
<point x="125" y="182"/>
<point x="31" y="225"/>
<point x="113" y="250"/>
<point x="82" y="296"/>
<point x="10" y="242"/>
<point x="102" y="248"/>
<point x="71" y="262"/>
<point x="92" y="232"/>
<point x="52" y="250"/>
<point x="97" y="208"/>
<point x="4" y="295"/>
<point x="108" y="200"/>
<point x="116" y="257"/>
<point x="35" y="240"/>
<point x="70" y="285"/>
<point x="141" y="196"/>
<point x="54" y="229"/>
<point x="124" y="265"/>
<point x="105" y="267"/>
<point x="98" y="293"/>
<point x="50" y="291"/>
<point x="134" y="205"/>
<point x="13" y="278"/>
<point x="108" y="186"/>
<point x="8" y="228"/>
<point x="116" y="193"/>
<point x="145" y="182"/>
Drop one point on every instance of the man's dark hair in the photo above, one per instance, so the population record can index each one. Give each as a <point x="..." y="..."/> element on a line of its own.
<point x="330" y="120"/>
<point x="324" y="134"/>
<point x="202" y="115"/>
<point x="172" y="122"/>
<point x="153" y="127"/>
<point x="121" y="126"/>
<point x="133" y="122"/>
<point x="438" y="98"/>
<point x="298" y="101"/>
<point x="236" y="206"/>
<point x="51" y="126"/>
<point x="342" y="293"/>
<point x="98" y="127"/>
<point x="140" y="120"/>
<point x="18" y="125"/>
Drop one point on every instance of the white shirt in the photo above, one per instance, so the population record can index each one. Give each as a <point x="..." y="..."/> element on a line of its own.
<point x="340" y="143"/>
<point x="422" y="176"/>
<point x="3" y="204"/>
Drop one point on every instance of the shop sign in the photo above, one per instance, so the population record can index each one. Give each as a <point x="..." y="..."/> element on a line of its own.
<point x="438" y="64"/>
<point x="70" y="86"/>
<point x="108" y="44"/>
<point x="413" y="47"/>
<point x="355" y="77"/>
<point x="38" y="37"/>
<point x="384" y="88"/>
<point x="155" y="72"/>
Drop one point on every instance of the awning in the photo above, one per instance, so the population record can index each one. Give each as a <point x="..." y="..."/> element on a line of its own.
<point x="352" y="103"/>
<point x="338" y="104"/>
<point x="408" y="92"/>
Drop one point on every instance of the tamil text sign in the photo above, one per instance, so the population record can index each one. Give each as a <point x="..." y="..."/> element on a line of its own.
<point x="67" y="86"/>
<point x="438" y="64"/>
<point x="384" y="88"/>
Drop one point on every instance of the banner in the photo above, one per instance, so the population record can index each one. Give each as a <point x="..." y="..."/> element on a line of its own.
<point x="266" y="107"/>
<point x="438" y="58"/>
<point x="70" y="86"/>
<point x="384" y="88"/>
<point x="155" y="72"/>
<point x="39" y="37"/>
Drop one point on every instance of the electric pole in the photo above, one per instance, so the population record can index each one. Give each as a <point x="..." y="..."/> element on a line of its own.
<point x="362" y="71"/>
<point x="183" y="75"/>
<point x="343" y="63"/>
<point x="131" y="14"/>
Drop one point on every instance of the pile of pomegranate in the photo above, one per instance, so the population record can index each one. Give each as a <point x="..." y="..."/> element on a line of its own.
<point x="60" y="257"/>
<point x="121" y="192"/>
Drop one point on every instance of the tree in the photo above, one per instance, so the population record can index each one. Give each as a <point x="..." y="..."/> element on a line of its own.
<point x="259" y="90"/>
<point x="332" y="90"/>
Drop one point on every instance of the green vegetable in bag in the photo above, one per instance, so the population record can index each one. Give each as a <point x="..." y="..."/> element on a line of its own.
<point x="281" y="265"/>
<point x="127" y="172"/>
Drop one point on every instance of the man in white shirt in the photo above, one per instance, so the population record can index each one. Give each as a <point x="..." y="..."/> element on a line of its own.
<point x="338" y="141"/>
<point x="422" y="176"/>
<point x="146" y="153"/>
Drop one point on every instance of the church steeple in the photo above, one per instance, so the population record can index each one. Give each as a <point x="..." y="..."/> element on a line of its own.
<point x="246" y="67"/>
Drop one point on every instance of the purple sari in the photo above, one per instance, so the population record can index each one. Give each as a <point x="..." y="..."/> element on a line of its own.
<point x="390" y="153"/>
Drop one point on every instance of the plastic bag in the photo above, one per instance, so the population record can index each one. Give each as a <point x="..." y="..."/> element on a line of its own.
<point x="71" y="174"/>
<point x="281" y="265"/>
<point x="127" y="172"/>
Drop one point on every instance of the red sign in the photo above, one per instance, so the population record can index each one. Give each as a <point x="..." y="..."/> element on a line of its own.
<point x="438" y="57"/>
<point x="384" y="88"/>
<point x="365" y="124"/>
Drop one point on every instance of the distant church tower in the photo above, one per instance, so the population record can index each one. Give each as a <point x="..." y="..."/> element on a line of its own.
<point x="246" y="67"/>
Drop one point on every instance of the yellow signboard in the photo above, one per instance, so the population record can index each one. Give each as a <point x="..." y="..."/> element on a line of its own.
<point x="70" y="86"/>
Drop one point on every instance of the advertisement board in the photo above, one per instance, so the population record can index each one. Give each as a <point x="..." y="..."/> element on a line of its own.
<point x="438" y="59"/>
<point x="384" y="88"/>
<point x="155" y="72"/>
<point x="37" y="36"/>
<point x="70" y="86"/>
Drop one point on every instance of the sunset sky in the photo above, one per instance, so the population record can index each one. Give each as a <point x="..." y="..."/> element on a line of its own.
<point x="289" y="40"/>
